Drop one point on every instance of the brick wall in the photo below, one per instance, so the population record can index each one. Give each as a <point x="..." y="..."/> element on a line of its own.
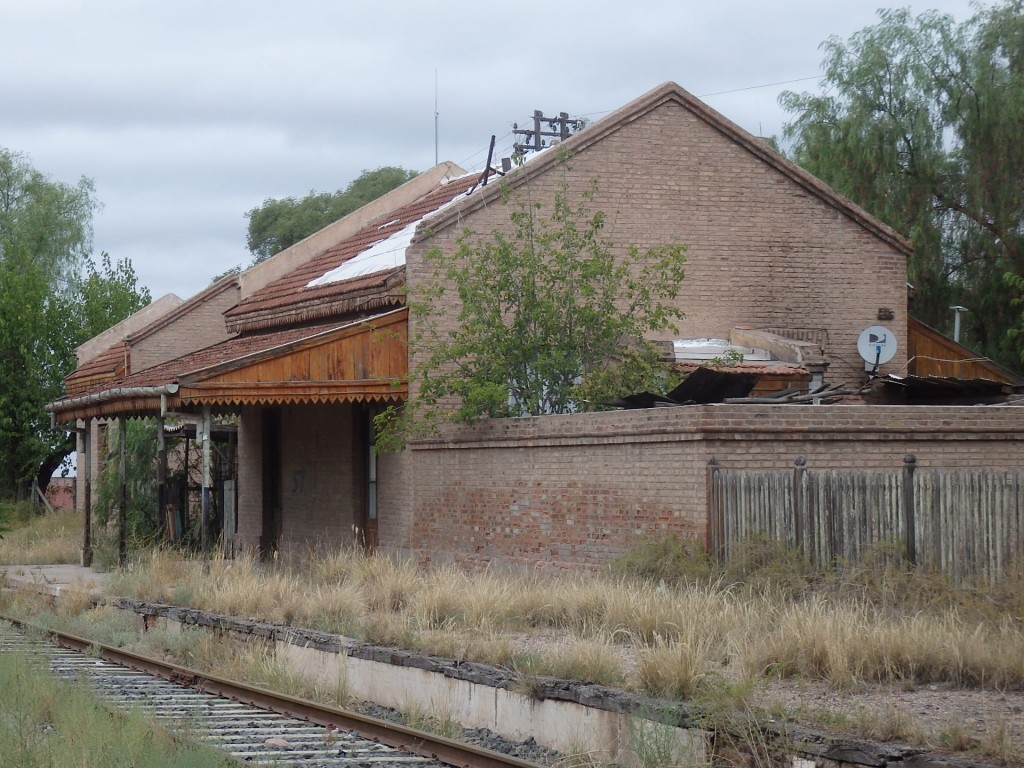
<point x="318" y="481"/>
<point x="763" y="251"/>
<point x="198" y="323"/>
<point x="320" y="487"/>
<point x="578" y="490"/>
<point x="394" y="502"/>
<point x="250" y="480"/>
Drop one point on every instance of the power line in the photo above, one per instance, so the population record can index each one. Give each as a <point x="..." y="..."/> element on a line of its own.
<point x="732" y="90"/>
<point x="765" y="85"/>
<point x="607" y="111"/>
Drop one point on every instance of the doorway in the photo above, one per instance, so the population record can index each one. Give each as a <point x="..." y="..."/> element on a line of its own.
<point x="270" y="529"/>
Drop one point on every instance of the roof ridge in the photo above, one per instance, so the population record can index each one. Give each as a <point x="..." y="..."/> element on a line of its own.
<point x="666" y="92"/>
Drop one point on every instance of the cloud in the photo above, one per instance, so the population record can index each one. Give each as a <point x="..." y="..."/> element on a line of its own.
<point x="189" y="114"/>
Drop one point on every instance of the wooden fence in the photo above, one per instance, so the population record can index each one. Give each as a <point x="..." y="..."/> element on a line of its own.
<point x="967" y="523"/>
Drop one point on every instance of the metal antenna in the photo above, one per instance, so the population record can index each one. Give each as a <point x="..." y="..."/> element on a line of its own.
<point x="436" y="113"/>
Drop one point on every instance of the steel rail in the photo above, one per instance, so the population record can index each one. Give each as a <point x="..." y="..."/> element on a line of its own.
<point x="400" y="737"/>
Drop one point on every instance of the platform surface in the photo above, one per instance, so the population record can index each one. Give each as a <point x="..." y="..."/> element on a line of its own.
<point x="53" y="579"/>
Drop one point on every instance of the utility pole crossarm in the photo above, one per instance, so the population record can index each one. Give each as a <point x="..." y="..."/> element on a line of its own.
<point x="561" y="128"/>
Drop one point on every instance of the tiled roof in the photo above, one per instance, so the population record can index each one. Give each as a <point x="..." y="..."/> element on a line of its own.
<point x="107" y="365"/>
<point x="286" y="299"/>
<point x="232" y="349"/>
<point x="767" y="368"/>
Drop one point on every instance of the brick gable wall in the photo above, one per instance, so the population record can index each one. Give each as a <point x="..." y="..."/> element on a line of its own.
<point x="199" y="328"/>
<point x="763" y="251"/>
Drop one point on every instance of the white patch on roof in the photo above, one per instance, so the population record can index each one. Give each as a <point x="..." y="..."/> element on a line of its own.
<point x="384" y="254"/>
<point x="708" y="349"/>
<point x="387" y="224"/>
<point x="465" y="175"/>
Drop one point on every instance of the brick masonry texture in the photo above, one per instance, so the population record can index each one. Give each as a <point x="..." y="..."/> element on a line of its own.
<point x="317" y="475"/>
<point x="762" y="250"/>
<point x="319" y="489"/>
<point x="579" y="490"/>
<point x="250" y="480"/>
<point x="201" y="327"/>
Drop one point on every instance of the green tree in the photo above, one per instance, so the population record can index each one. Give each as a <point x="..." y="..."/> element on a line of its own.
<point x="547" y="317"/>
<point x="52" y="298"/>
<point x="47" y="222"/>
<point x="921" y="121"/>
<point x="140" y="480"/>
<point x="101" y="297"/>
<point x="32" y="346"/>
<point x="278" y="224"/>
<point x="108" y="294"/>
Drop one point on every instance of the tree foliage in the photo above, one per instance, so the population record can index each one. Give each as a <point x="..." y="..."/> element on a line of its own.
<point x="921" y="121"/>
<point x="107" y="295"/>
<point x="280" y="223"/>
<point x="52" y="298"/>
<point x="33" y="346"/>
<point x="140" y="479"/>
<point x="547" y="317"/>
<point x="46" y="222"/>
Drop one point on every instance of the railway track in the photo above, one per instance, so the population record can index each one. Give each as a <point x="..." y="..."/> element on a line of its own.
<point x="254" y="725"/>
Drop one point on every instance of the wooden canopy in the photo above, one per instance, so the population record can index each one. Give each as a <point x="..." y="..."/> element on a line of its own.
<point x="359" y="361"/>
<point x="356" y="363"/>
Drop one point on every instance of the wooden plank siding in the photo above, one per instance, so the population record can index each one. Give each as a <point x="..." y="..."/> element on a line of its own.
<point x="353" y="362"/>
<point x="365" y="362"/>
<point x="931" y="353"/>
<point x="966" y="523"/>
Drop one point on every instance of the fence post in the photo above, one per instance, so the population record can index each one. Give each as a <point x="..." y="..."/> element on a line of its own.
<point x="715" y="523"/>
<point x="909" y="466"/>
<point x="799" y="513"/>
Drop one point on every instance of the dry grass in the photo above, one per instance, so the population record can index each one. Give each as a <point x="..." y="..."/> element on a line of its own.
<point x="710" y="637"/>
<point x="676" y="668"/>
<point x="851" y="642"/>
<point x="41" y="539"/>
<point x="847" y="631"/>
<point x="707" y="635"/>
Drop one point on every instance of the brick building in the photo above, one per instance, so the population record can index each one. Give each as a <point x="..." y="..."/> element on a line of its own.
<point x="313" y="340"/>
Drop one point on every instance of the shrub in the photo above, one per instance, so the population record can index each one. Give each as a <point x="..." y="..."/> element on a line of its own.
<point x="666" y="558"/>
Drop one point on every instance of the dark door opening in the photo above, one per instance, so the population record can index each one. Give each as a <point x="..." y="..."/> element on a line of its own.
<point x="270" y="531"/>
<point x="367" y="511"/>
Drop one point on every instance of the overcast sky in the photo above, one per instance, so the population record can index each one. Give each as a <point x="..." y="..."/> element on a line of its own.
<point x="187" y="114"/>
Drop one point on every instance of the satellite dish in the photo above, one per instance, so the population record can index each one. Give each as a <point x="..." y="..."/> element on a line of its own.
<point x="877" y="345"/>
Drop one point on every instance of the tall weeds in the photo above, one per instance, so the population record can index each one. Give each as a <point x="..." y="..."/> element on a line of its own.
<point x="30" y="539"/>
<point x="846" y="628"/>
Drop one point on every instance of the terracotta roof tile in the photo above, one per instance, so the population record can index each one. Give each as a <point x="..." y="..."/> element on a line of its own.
<point x="289" y="295"/>
<point x="767" y="368"/>
<point x="107" y="365"/>
<point x="225" y="351"/>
